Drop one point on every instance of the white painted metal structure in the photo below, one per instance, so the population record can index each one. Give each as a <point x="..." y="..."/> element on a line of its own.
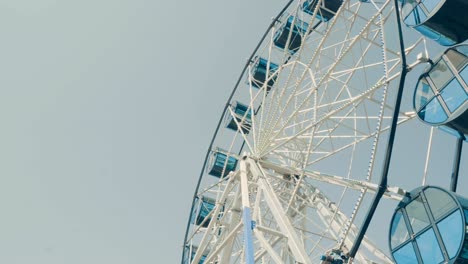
<point x="312" y="152"/>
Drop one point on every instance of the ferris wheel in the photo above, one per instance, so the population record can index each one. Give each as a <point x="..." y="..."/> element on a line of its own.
<point x="304" y="143"/>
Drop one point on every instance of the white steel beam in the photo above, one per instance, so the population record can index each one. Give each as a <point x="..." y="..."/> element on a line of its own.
<point x="235" y="215"/>
<point x="394" y="193"/>
<point x="261" y="253"/>
<point x="230" y="237"/>
<point x="294" y="242"/>
<point x="246" y="214"/>
<point x="267" y="247"/>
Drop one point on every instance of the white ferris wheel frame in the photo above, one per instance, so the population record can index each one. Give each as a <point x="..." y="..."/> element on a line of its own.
<point x="251" y="185"/>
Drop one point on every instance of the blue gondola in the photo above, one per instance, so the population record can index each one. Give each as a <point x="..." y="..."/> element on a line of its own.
<point x="259" y="73"/>
<point x="428" y="226"/>
<point x="201" y="211"/>
<point x="441" y="94"/>
<point x="326" y="10"/>
<point x="220" y="162"/>
<point x="299" y="29"/>
<point x="243" y="116"/>
<point x="441" y="20"/>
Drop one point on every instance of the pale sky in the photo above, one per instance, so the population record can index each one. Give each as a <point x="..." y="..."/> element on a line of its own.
<point x="107" y="109"/>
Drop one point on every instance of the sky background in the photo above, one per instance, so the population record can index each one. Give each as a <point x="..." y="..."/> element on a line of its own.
<point x="106" y="111"/>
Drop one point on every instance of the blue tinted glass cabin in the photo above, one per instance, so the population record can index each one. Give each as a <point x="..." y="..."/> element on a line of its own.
<point x="413" y="14"/>
<point x="300" y="27"/>
<point x="405" y="255"/>
<point x="260" y="75"/>
<point x="456" y="58"/>
<point x="222" y="163"/>
<point x="463" y="49"/>
<point x="243" y="117"/>
<point x="428" y="32"/>
<point x="440" y="74"/>
<point x="407" y="13"/>
<point x="446" y="41"/>
<point x="432" y="34"/>
<point x="326" y="10"/>
<point x="423" y="94"/>
<point x="410" y="20"/>
<point x="294" y="30"/>
<point x="429" y="247"/>
<point x="451" y="229"/>
<point x="398" y="232"/>
<point x="206" y="208"/>
<point x="454" y="95"/>
<point x="241" y="110"/>
<point x="464" y="252"/>
<point x="433" y="112"/>
<point x="263" y="64"/>
<point x="430" y="4"/>
<point x="417" y="215"/>
<point x="464" y="74"/>
<point x="204" y="212"/>
<point x="439" y="202"/>
<point x="419" y="14"/>
<point x="443" y="21"/>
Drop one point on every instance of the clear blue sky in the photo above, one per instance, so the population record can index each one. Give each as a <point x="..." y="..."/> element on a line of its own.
<point x="106" y="111"/>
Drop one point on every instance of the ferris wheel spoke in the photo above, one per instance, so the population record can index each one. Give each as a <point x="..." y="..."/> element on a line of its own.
<point x="344" y="147"/>
<point x="331" y="113"/>
<point x="294" y="113"/>
<point x="392" y="192"/>
<point x="276" y="115"/>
